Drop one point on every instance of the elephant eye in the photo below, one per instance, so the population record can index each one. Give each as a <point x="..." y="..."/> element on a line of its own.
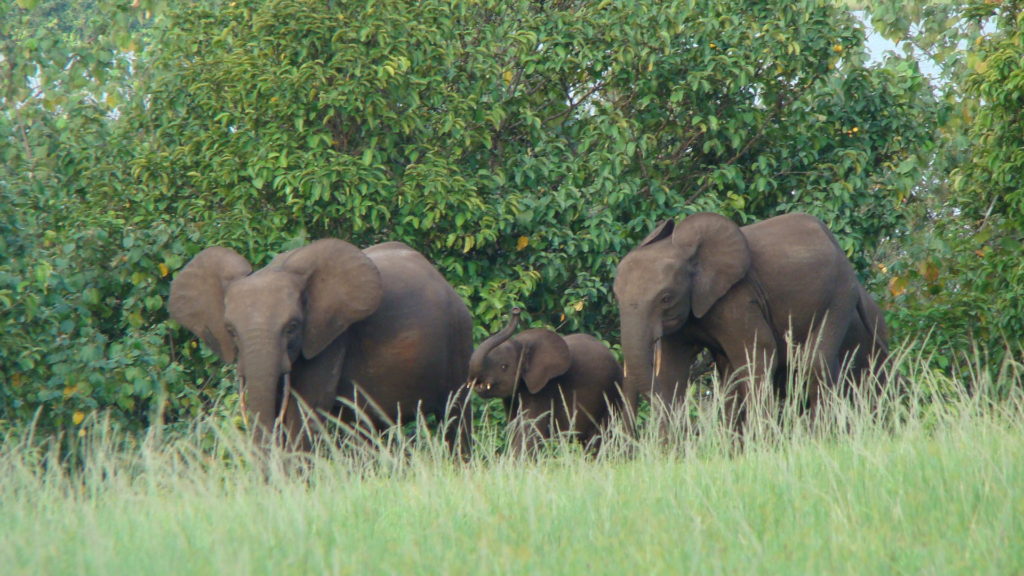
<point x="291" y="328"/>
<point x="232" y="332"/>
<point x="665" y="299"/>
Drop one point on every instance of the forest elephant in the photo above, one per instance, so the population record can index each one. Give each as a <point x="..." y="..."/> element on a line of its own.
<point x="336" y="327"/>
<point x="743" y="294"/>
<point x="550" y="384"/>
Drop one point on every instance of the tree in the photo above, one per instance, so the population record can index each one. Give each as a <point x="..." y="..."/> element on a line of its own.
<point x="534" y="138"/>
<point x="956" y="272"/>
<point x="524" y="147"/>
<point x="81" y="312"/>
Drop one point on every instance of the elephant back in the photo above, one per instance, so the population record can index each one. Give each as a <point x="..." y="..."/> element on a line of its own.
<point x="593" y="363"/>
<point x="416" y="346"/>
<point x="803" y="273"/>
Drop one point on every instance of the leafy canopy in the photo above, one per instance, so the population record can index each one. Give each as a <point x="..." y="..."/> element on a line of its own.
<point x="524" y="147"/>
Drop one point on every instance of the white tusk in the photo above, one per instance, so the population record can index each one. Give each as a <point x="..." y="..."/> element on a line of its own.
<point x="625" y="369"/>
<point x="657" y="360"/>
<point x="287" y="394"/>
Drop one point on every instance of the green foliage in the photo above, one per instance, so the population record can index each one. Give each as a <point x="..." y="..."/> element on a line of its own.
<point x="932" y="31"/>
<point x="989" y="186"/>
<point x="524" y="147"/>
<point x="81" y="289"/>
<point x="959" y="272"/>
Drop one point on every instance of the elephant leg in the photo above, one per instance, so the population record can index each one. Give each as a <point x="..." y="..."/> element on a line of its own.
<point x="672" y="371"/>
<point x="747" y="376"/>
<point x="826" y="342"/>
<point x="527" y="431"/>
<point x="314" y="385"/>
<point x="671" y="381"/>
<point x="863" y="360"/>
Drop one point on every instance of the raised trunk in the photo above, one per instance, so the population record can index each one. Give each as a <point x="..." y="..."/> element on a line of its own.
<point x="476" y="362"/>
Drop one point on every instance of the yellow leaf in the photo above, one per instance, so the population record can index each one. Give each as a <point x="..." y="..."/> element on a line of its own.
<point x="81" y="432"/>
<point x="898" y="285"/>
<point x="70" y="391"/>
<point x="507" y="76"/>
<point x="837" y="48"/>
<point x="929" y="270"/>
<point x="578" y="306"/>
<point x="164" y="270"/>
<point x="522" y="243"/>
<point x="77" y="417"/>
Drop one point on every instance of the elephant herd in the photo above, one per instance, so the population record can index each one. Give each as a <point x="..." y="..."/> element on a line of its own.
<point x="380" y="336"/>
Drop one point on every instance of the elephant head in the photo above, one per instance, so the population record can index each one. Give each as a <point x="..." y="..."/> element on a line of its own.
<point x="271" y="319"/>
<point x="676" y="274"/>
<point x="502" y="362"/>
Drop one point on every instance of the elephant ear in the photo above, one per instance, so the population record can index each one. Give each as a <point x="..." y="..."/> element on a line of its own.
<point x="661" y="231"/>
<point x="343" y="286"/>
<point x="722" y="257"/>
<point x="545" y="356"/>
<point x="197" y="296"/>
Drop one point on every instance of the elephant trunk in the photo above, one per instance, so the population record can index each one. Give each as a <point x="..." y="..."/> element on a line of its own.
<point x="476" y="362"/>
<point x="263" y="379"/>
<point x="640" y="347"/>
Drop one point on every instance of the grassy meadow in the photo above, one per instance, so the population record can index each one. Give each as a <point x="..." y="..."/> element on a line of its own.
<point x="930" y="483"/>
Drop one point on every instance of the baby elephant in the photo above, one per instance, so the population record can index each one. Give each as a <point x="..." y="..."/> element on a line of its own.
<point x="550" y="384"/>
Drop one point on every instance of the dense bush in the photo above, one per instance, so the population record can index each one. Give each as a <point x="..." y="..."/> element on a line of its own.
<point x="523" y="146"/>
<point x="956" y="270"/>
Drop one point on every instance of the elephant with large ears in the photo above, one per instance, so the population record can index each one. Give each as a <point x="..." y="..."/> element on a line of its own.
<point x="336" y="327"/>
<point x="550" y="384"/>
<point x="744" y="294"/>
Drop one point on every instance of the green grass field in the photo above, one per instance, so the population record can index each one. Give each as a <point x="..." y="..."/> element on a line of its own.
<point x="935" y="488"/>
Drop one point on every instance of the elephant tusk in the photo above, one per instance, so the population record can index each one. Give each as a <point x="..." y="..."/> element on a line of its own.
<point x="287" y="394"/>
<point x="625" y="368"/>
<point x="657" y="360"/>
<point x="241" y="401"/>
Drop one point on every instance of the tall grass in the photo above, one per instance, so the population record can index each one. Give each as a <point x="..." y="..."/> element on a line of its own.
<point x="927" y="481"/>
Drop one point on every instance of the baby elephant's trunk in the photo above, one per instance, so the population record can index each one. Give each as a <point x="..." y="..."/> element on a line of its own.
<point x="476" y="362"/>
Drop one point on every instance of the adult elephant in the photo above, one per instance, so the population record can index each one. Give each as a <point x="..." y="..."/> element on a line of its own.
<point x="743" y="293"/>
<point x="379" y="328"/>
<point x="550" y="384"/>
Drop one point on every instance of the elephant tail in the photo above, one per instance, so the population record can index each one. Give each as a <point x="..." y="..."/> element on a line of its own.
<point x="871" y="316"/>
